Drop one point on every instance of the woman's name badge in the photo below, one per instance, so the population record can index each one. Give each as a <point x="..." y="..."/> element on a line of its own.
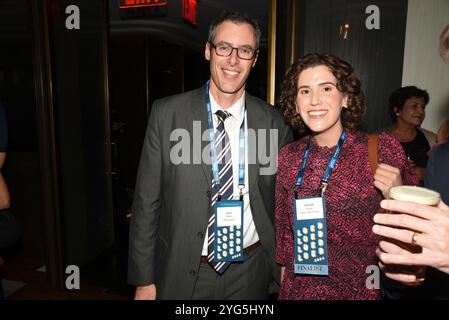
<point x="228" y="231"/>
<point x="310" y="236"/>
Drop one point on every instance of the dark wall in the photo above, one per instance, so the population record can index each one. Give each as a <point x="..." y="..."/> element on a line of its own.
<point x="81" y="120"/>
<point x="128" y="102"/>
<point x="17" y="94"/>
<point x="376" y="55"/>
<point x="16" y="74"/>
<point x="143" y="69"/>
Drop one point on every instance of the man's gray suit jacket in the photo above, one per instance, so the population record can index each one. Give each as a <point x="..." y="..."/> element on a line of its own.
<point x="172" y="201"/>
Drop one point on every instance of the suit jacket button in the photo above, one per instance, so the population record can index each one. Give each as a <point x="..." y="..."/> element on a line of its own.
<point x="192" y="273"/>
<point x="200" y="235"/>
<point x="208" y="193"/>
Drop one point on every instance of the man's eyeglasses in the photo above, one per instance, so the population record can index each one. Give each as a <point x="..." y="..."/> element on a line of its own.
<point x="225" y="50"/>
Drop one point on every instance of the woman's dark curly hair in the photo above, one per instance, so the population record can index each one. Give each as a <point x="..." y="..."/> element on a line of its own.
<point x="400" y="96"/>
<point x="347" y="83"/>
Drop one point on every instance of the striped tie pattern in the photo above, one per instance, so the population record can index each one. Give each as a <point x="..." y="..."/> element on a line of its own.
<point x="226" y="189"/>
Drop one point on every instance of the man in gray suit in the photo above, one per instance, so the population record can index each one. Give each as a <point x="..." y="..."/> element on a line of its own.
<point x="176" y="203"/>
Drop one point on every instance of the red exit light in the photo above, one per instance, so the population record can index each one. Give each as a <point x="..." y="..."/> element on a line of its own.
<point x="126" y="4"/>
<point x="189" y="11"/>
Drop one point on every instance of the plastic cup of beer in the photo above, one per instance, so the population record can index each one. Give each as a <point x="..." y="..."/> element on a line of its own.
<point x="417" y="195"/>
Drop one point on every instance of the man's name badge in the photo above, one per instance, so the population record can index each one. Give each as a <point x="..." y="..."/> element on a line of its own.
<point x="228" y="231"/>
<point x="310" y="236"/>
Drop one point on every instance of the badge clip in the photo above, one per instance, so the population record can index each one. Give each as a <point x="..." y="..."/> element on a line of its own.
<point x="323" y="187"/>
<point x="241" y="192"/>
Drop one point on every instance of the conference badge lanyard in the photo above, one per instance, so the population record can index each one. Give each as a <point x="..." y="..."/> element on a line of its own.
<point x="228" y="213"/>
<point x="310" y="232"/>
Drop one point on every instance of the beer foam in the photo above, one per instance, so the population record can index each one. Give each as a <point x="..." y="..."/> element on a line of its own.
<point x="415" y="194"/>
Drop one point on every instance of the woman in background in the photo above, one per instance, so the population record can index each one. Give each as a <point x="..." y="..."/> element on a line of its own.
<point x="407" y="109"/>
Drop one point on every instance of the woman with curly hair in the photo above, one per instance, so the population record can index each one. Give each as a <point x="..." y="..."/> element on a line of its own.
<point x="326" y="194"/>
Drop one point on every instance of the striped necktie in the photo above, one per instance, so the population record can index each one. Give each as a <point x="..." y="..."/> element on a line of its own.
<point x="226" y="188"/>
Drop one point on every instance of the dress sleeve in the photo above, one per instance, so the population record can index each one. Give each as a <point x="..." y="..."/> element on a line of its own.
<point x="391" y="152"/>
<point x="284" y="233"/>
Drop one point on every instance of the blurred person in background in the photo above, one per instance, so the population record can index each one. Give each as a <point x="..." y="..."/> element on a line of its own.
<point x="407" y="109"/>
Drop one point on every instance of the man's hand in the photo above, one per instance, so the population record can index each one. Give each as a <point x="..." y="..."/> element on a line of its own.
<point x="387" y="177"/>
<point x="408" y="275"/>
<point x="146" y="292"/>
<point x="428" y="225"/>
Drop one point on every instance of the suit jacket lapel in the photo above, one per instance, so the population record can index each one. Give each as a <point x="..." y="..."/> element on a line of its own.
<point x="197" y="112"/>
<point x="253" y="118"/>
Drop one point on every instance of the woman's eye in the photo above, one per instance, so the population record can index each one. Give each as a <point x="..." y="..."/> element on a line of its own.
<point x="327" y="89"/>
<point x="303" y="92"/>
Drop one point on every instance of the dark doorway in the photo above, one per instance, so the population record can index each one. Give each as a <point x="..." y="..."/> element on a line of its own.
<point x="17" y="94"/>
<point x="142" y="69"/>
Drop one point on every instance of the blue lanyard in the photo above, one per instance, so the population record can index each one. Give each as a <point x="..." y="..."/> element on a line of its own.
<point x="330" y="166"/>
<point x="213" y="148"/>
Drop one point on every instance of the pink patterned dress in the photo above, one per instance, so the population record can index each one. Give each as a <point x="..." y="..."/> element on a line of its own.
<point x="351" y="202"/>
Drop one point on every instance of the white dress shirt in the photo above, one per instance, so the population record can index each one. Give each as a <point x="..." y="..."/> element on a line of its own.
<point x="232" y="128"/>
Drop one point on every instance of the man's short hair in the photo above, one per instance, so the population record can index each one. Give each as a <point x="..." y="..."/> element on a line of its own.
<point x="236" y="17"/>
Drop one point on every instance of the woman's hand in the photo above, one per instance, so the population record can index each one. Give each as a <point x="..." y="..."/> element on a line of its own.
<point x="387" y="177"/>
